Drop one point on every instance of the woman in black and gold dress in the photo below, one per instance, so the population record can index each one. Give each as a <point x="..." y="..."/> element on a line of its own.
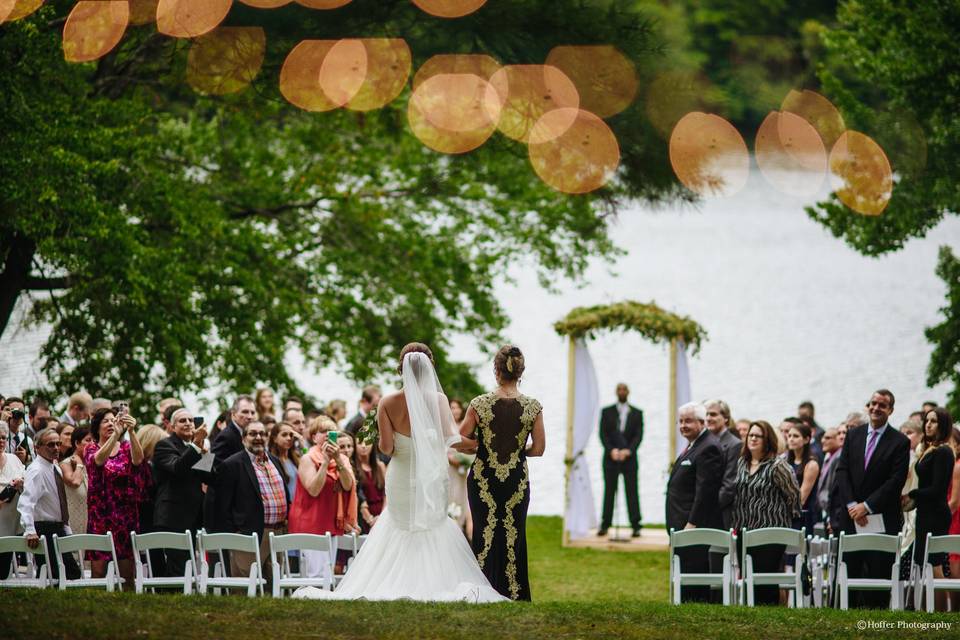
<point x="498" y="489"/>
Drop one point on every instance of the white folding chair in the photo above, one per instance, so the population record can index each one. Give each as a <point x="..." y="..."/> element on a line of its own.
<point x="795" y="543"/>
<point x="217" y="543"/>
<point x="832" y="552"/>
<point x="24" y="576"/>
<point x="145" y="579"/>
<point x="877" y="542"/>
<point x="352" y="543"/>
<point x="79" y="543"/>
<point x="930" y="585"/>
<point x="283" y="578"/>
<point x="720" y="541"/>
<point x="818" y="560"/>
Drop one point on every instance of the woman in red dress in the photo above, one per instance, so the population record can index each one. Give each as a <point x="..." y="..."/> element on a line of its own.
<point x="326" y="496"/>
<point x="117" y="484"/>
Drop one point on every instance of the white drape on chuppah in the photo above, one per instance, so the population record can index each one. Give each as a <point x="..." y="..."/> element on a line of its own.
<point x="683" y="391"/>
<point x="580" y="515"/>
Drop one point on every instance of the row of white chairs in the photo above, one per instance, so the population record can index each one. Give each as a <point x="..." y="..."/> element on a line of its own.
<point x="824" y="558"/>
<point x="209" y="547"/>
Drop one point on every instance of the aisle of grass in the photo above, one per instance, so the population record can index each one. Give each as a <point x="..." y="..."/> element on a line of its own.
<point x="579" y="593"/>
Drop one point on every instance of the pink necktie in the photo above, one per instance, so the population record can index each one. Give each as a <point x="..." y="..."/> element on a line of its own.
<point x="870" y="447"/>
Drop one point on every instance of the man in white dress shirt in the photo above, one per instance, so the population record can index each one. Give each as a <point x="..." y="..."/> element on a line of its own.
<point x="43" y="504"/>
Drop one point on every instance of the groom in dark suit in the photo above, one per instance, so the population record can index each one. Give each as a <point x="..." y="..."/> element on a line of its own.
<point x="621" y="431"/>
<point x="693" y="492"/>
<point x="870" y="474"/>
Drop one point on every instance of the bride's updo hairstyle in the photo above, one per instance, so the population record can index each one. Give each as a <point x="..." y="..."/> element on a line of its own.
<point x="508" y="363"/>
<point x="415" y="347"/>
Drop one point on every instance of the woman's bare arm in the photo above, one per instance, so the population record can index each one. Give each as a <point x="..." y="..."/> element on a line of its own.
<point x="539" y="437"/>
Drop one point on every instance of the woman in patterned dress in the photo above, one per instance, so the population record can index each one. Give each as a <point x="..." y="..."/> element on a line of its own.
<point x="768" y="495"/>
<point x="118" y="483"/>
<point x="498" y="489"/>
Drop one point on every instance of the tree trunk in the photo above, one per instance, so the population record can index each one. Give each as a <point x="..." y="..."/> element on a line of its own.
<point x="15" y="276"/>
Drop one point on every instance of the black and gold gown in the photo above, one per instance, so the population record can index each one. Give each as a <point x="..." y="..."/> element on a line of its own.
<point x="499" y="491"/>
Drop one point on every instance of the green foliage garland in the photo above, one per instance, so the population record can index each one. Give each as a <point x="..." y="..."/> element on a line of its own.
<point x="647" y="319"/>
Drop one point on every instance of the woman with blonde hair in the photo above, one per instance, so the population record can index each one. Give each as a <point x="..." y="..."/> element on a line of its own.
<point x="326" y="495"/>
<point x="264" y="403"/>
<point x="336" y="411"/>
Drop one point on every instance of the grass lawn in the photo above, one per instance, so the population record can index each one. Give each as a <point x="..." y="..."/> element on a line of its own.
<point x="579" y="593"/>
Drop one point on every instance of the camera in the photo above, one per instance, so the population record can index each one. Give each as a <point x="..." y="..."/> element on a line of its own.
<point x="198" y="421"/>
<point x="17" y="414"/>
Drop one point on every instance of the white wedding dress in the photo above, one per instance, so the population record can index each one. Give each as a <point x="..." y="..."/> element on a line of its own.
<point x="414" y="551"/>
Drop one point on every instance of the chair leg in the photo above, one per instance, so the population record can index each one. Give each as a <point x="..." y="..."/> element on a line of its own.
<point x="842" y="587"/>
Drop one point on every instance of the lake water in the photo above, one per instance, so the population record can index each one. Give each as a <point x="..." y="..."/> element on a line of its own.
<point x="792" y="314"/>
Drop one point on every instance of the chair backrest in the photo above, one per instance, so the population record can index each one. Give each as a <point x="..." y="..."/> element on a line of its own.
<point x="161" y="540"/>
<point x="942" y="544"/>
<point x="84" y="542"/>
<point x="347" y="542"/>
<point x="694" y="537"/>
<point x="18" y="544"/>
<point x="300" y="542"/>
<point x="229" y="542"/>
<point x="793" y="539"/>
<point x="881" y="542"/>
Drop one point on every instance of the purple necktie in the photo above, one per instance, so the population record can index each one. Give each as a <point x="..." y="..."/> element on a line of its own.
<point x="870" y="447"/>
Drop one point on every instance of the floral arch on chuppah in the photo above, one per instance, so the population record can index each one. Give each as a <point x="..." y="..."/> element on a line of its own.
<point x="581" y="324"/>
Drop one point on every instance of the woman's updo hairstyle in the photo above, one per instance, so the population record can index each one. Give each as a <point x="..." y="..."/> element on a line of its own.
<point x="508" y="363"/>
<point x="415" y="347"/>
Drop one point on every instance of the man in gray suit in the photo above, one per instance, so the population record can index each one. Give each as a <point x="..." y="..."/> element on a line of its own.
<point x="718" y="421"/>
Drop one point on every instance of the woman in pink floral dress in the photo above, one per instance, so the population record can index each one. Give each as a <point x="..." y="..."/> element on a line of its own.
<point x="117" y="484"/>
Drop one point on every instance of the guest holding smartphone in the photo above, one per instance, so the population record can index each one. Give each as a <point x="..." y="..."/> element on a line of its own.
<point x="118" y="482"/>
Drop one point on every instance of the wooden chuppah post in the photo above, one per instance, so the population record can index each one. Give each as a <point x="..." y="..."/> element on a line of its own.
<point x="571" y="407"/>
<point x="672" y="412"/>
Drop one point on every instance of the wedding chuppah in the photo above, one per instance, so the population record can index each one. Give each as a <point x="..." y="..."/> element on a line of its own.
<point x="583" y="404"/>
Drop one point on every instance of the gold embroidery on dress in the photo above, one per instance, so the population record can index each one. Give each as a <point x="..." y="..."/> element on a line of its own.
<point x="483" y="405"/>
<point x="484" y="488"/>
<point x="511" y="531"/>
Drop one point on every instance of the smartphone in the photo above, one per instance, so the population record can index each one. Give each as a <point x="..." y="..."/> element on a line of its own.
<point x="123" y="410"/>
<point x="332" y="436"/>
<point x="198" y="421"/>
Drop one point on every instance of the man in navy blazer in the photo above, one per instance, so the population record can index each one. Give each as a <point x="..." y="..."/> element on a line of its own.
<point x="870" y="475"/>
<point x="693" y="491"/>
<point x="621" y="431"/>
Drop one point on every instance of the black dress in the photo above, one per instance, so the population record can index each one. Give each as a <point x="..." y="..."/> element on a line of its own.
<point x="499" y="492"/>
<point x="934" y="472"/>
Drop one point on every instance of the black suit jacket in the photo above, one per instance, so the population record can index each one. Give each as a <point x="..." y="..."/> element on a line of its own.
<point x="612" y="438"/>
<point x="730" y="446"/>
<point x="228" y="442"/>
<point x="238" y="505"/>
<point x="179" y="495"/>
<point x="880" y="484"/>
<point x="694" y="485"/>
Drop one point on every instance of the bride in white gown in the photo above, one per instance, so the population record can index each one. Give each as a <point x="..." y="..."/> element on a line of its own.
<point x="414" y="551"/>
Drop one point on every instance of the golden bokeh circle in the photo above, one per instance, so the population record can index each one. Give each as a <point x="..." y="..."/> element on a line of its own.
<point x="439" y="99"/>
<point x="583" y="158"/>
<point x="708" y="155"/>
<point x="266" y="4"/>
<point x="343" y="70"/>
<point x="818" y="111"/>
<point x="604" y="77"/>
<point x="324" y="4"/>
<point x="143" y="12"/>
<point x="18" y="9"/>
<point x="478" y="64"/>
<point x="300" y="76"/>
<point x="527" y="92"/>
<point x="226" y="60"/>
<point x="457" y="102"/>
<point x="94" y="28"/>
<point x="190" y="18"/>
<point x="449" y="8"/>
<point x="388" y="62"/>
<point x="790" y="154"/>
<point x="862" y="173"/>
<point x="671" y="95"/>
